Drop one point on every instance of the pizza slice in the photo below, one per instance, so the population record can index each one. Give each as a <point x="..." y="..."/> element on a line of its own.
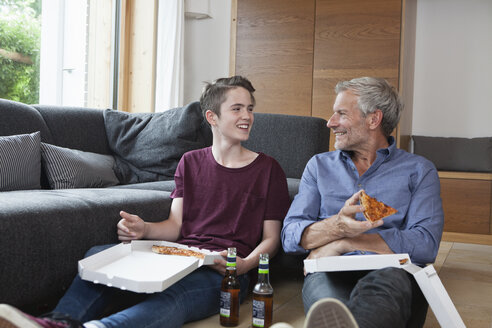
<point x="170" y="250"/>
<point x="373" y="209"/>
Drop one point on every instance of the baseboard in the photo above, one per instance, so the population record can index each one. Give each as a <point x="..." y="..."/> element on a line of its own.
<point x="471" y="238"/>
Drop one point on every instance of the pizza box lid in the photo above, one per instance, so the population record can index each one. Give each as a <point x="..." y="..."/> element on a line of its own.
<point x="356" y="262"/>
<point x="133" y="266"/>
<point x="427" y="279"/>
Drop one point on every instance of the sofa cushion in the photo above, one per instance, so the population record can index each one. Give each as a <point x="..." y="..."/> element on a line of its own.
<point x="293" y="185"/>
<point x="70" y="168"/>
<point x="76" y="127"/>
<point x="164" y="185"/>
<point x="19" y="118"/>
<point x="292" y="140"/>
<point x="456" y="154"/>
<point x="148" y="146"/>
<point x="20" y="162"/>
<point x="45" y="232"/>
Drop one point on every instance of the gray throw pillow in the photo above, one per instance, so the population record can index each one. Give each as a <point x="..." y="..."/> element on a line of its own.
<point x="456" y="154"/>
<point x="70" y="168"/>
<point x="148" y="146"/>
<point x="20" y="162"/>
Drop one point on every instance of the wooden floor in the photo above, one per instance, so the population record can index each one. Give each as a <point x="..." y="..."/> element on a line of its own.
<point x="464" y="269"/>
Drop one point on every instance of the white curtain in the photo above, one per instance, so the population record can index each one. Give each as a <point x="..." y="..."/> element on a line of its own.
<point x="170" y="49"/>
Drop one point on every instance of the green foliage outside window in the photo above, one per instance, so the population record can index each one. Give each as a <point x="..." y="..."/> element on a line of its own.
<point x="20" y="35"/>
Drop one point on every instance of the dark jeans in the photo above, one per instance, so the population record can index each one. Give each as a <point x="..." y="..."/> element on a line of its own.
<point x="387" y="297"/>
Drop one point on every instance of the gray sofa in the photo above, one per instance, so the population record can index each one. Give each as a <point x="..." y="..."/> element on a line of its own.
<point x="45" y="231"/>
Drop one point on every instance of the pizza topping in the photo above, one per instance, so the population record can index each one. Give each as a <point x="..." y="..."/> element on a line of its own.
<point x="170" y="250"/>
<point x="373" y="209"/>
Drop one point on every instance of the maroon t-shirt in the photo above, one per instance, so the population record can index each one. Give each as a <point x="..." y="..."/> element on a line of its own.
<point x="225" y="207"/>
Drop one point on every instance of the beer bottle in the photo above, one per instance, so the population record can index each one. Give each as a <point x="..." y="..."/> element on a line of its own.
<point x="263" y="296"/>
<point x="229" y="292"/>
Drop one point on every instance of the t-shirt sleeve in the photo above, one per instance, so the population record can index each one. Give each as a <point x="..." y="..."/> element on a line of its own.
<point x="179" y="179"/>
<point x="278" y="200"/>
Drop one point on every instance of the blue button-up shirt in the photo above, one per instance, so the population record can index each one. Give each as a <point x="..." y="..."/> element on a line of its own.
<point x="405" y="181"/>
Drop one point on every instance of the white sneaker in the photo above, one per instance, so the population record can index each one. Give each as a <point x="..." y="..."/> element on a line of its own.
<point x="281" y="325"/>
<point x="328" y="313"/>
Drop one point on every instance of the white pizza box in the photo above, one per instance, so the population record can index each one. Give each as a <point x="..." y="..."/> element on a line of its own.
<point x="427" y="279"/>
<point x="133" y="266"/>
<point x="355" y="262"/>
<point x="436" y="295"/>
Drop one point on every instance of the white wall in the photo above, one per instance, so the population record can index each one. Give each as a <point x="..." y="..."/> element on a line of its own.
<point x="453" y="69"/>
<point x="207" y="46"/>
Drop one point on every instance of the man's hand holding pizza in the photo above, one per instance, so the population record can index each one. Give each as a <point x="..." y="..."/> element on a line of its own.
<point x="341" y="225"/>
<point x="345" y="222"/>
<point x="352" y="231"/>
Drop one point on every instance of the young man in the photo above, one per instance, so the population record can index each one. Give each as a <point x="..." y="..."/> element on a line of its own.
<point x="325" y="217"/>
<point x="225" y="196"/>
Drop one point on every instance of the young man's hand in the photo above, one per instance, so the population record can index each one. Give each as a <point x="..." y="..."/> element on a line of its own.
<point x="220" y="264"/>
<point x="130" y="227"/>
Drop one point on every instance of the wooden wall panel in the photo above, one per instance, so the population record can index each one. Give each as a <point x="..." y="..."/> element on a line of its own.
<point x="353" y="38"/>
<point x="467" y="205"/>
<point x="136" y="85"/>
<point x="274" y="49"/>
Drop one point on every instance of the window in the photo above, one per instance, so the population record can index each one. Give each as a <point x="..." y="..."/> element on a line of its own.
<point x="19" y="50"/>
<point x="56" y="52"/>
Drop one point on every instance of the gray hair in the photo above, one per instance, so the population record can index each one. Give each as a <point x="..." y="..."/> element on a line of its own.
<point x="375" y="93"/>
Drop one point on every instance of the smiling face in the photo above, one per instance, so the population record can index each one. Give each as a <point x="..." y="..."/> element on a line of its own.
<point x="236" y="116"/>
<point x="347" y="123"/>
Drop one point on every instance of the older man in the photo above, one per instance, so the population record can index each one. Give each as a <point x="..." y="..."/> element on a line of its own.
<point x="326" y="219"/>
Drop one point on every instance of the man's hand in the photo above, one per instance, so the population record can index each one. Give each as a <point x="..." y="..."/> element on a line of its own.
<point x="220" y="265"/>
<point x="335" y="248"/>
<point x="345" y="222"/>
<point x="341" y="225"/>
<point x="130" y="227"/>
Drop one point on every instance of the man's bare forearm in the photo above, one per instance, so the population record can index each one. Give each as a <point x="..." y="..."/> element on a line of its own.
<point x="371" y="242"/>
<point x="319" y="233"/>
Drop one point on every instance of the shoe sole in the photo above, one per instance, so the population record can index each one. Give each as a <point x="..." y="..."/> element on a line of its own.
<point x="10" y="317"/>
<point x="329" y="313"/>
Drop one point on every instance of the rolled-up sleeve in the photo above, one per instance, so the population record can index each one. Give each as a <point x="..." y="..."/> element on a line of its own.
<point x="303" y="211"/>
<point x="422" y="231"/>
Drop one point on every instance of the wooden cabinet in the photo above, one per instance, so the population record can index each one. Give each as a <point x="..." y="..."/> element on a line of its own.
<point x="295" y="51"/>
<point x="274" y="49"/>
<point x="467" y="199"/>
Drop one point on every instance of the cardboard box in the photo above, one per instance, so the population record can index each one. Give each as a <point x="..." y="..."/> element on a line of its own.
<point x="355" y="262"/>
<point x="133" y="266"/>
<point x="427" y="279"/>
<point x="436" y="295"/>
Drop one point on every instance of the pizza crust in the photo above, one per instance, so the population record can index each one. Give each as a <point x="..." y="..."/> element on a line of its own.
<point x="375" y="210"/>
<point x="170" y="250"/>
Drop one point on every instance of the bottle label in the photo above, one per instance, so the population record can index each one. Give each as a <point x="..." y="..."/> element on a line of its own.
<point x="263" y="267"/>
<point x="225" y="304"/>
<point x="231" y="261"/>
<point x="258" y="313"/>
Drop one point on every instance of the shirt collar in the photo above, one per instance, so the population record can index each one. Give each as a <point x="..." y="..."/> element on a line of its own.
<point x="383" y="151"/>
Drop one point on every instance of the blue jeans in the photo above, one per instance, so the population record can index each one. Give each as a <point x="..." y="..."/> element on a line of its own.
<point x="194" y="297"/>
<point x="388" y="297"/>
